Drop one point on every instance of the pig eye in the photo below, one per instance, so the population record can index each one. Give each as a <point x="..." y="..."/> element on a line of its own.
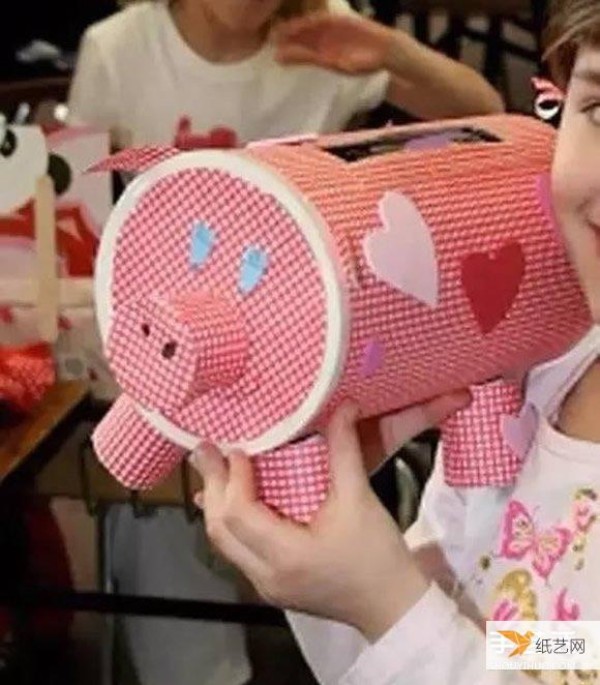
<point x="203" y="242"/>
<point x="169" y="349"/>
<point x="254" y="265"/>
<point x="146" y="329"/>
<point x="8" y="144"/>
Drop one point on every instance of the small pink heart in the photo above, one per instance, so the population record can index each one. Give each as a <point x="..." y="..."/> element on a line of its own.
<point x="6" y="315"/>
<point x="518" y="432"/>
<point x="372" y="359"/>
<point x="402" y="253"/>
<point x="64" y="323"/>
<point x="544" y="193"/>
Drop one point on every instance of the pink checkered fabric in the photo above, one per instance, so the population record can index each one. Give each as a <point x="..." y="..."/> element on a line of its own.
<point x="220" y="338"/>
<point x="167" y="353"/>
<point x="283" y="317"/>
<point x="294" y="480"/>
<point x="135" y="160"/>
<point x="475" y="200"/>
<point x="474" y="450"/>
<point x="136" y="454"/>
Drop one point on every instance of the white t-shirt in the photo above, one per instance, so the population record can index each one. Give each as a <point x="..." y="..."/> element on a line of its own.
<point x="136" y="75"/>
<point x="526" y="552"/>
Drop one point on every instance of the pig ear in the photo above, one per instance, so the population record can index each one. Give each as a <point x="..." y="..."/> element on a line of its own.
<point x="135" y="159"/>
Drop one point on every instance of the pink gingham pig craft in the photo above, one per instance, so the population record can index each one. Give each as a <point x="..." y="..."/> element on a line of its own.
<point x="243" y="294"/>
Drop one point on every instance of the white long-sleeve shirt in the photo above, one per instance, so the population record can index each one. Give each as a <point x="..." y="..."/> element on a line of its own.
<point x="525" y="552"/>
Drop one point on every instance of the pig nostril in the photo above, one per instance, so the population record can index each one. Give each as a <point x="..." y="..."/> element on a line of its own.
<point x="168" y="351"/>
<point x="145" y="329"/>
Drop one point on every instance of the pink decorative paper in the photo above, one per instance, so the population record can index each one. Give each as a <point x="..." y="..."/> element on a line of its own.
<point x="373" y="359"/>
<point x="166" y="353"/>
<point x="136" y="160"/>
<point x="475" y="450"/>
<point x="403" y="253"/>
<point x="519" y="431"/>
<point x="294" y="480"/>
<point x="121" y="455"/>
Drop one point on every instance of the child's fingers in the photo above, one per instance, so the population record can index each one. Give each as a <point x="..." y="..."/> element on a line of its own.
<point x="216" y="476"/>
<point x="346" y="459"/>
<point x="289" y="53"/>
<point x="210" y="463"/>
<point x="249" y="520"/>
<point x="241" y="486"/>
<point x="295" y="27"/>
<point x="397" y="429"/>
<point x="371" y="443"/>
<point x="233" y="549"/>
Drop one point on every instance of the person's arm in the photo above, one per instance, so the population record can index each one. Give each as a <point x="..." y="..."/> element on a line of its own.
<point x="332" y="649"/>
<point x="422" y="81"/>
<point x="430" y="85"/>
<point x="411" y="631"/>
<point x="434" y="643"/>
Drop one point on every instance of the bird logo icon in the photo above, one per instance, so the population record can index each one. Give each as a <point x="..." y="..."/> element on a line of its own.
<point x="522" y="642"/>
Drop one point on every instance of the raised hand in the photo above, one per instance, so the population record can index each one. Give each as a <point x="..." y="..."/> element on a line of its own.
<point x="350" y="44"/>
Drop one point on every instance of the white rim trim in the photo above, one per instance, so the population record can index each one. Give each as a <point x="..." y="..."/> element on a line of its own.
<point x="325" y="254"/>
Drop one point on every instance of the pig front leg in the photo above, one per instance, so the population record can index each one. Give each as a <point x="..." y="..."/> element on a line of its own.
<point x="294" y="479"/>
<point x="134" y="452"/>
<point x="486" y="443"/>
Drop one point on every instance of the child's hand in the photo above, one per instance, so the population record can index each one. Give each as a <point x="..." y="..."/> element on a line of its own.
<point x="351" y="563"/>
<point x="347" y="43"/>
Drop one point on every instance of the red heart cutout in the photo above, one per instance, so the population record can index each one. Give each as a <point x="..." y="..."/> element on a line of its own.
<point x="492" y="283"/>
<point x="219" y="137"/>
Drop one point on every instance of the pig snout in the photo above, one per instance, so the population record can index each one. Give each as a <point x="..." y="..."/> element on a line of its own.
<point x="166" y="353"/>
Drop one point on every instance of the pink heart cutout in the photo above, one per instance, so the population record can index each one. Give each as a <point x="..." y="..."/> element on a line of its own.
<point x="505" y="269"/>
<point x="402" y="253"/>
<point x="372" y="359"/>
<point x="544" y="193"/>
<point x="518" y="432"/>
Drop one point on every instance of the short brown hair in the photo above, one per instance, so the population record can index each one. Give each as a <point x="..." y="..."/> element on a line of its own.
<point x="572" y="24"/>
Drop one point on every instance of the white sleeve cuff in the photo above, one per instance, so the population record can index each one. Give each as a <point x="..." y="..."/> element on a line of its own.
<point x="410" y="640"/>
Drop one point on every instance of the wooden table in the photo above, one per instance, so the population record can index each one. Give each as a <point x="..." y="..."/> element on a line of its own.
<point x="35" y="444"/>
<point x="21" y="441"/>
